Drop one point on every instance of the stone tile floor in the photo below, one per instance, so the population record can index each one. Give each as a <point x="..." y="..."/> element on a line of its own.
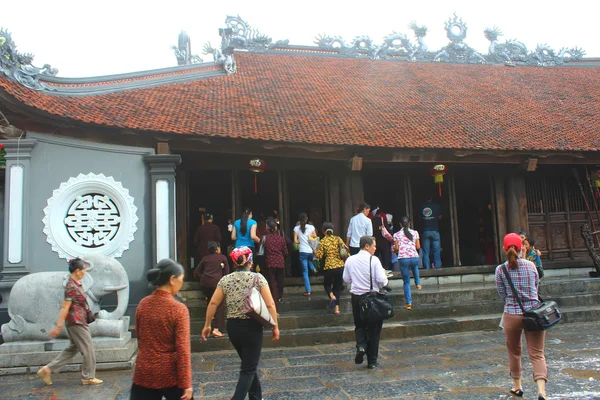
<point x="454" y="366"/>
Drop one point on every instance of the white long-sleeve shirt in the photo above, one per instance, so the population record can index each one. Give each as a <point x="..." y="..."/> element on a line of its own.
<point x="356" y="273"/>
<point x="359" y="226"/>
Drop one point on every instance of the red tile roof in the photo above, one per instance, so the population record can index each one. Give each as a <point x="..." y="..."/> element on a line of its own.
<point x="345" y="101"/>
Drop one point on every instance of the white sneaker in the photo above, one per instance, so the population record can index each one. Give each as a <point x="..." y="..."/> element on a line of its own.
<point x="389" y="274"/>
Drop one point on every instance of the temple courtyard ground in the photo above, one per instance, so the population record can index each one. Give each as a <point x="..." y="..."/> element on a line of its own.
<point x="463" y="366"/>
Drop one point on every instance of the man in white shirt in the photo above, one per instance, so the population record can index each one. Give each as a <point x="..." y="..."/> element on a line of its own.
<point x="357" y="273"/>
<point x="360" y="225"/>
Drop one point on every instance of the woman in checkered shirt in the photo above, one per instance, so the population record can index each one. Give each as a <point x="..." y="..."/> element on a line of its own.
<point x="526" y="280"/>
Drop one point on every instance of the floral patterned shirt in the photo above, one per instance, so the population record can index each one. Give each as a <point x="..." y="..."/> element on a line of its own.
<point x="407" y="248"/>
<point x="235" y="286"/>
<point x="77" y="311"/>
<point x="275" y="250"/>
<point x="329" y="247"/>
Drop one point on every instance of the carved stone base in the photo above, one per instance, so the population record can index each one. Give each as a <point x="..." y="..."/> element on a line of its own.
<point x="38" y="353"/>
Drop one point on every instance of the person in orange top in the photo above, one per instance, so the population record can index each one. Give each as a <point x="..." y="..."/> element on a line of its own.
<point x="164" y="364"/>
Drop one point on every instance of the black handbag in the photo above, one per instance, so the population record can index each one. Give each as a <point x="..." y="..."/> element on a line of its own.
<point x="375" y="306"/>
<point x="539" y="318"/>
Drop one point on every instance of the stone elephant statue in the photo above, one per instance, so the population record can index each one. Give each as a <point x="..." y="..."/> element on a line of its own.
<point x="36" y="299"/>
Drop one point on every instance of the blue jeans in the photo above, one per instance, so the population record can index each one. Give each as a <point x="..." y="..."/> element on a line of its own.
<point x="431" y="239"/>
<point x="406" y="265"/>
<point x="306" y="262"/>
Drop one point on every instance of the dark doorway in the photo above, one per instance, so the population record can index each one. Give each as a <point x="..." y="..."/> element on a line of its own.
<point x="474" y="210"/>
<point x="210" y="191"/>
<point x="306" y="194"/>
<point x="384" y="188"/>
<point x="259" y="192"/>
<point x="422" y="187"/>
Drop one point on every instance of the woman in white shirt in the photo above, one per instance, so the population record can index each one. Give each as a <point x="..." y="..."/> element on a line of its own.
<point x="302" y="234"/>
<point x="407" y="244"/>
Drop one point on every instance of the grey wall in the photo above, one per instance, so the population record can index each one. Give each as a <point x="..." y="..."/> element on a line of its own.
<point x="54" y="160"/>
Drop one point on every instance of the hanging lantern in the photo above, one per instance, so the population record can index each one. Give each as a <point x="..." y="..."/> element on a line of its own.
<point x="2" y="154"/>
<point x="257" y="166"/>
<point x="595" y="176"/>
<point x="438" y="172"/>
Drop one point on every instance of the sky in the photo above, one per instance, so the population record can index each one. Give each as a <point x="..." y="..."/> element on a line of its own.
<point x="92" y="38"/>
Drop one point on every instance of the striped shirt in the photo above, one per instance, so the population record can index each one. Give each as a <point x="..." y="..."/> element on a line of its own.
<point x="526" y="280"/>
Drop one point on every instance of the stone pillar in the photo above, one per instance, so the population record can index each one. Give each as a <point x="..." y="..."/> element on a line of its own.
<point x="162" y="179"/>
<point x="16" y="212"/>
<point x="516" y="204"/>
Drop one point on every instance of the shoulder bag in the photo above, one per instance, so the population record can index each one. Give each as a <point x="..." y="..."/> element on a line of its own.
<point x="255" y="306"/>
<point x="89" y="315"/>
<point x="375" y="306"/>
<point x="385" y="233"/>
<point x="539" y="318"/>
<point x="343" y="250"/>
<point x="261" y="248"/>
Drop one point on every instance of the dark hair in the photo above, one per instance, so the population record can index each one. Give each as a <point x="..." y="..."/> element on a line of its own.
<point x="208" y="216"/>
<point x="512" y="257"/>
<point x="363" y="206"/>
<point x="327" y="226"/>
<point x="213" y="246"/>
<point x="303" y="218"/>
<point x="77" y="264"/>
<point x="407" y="233"/>
<point x="366" y="240"/>
<point x="271" y="224"/>
<point x="523" y="233"/>
<point x="162" y="273"/>
<point x="530" y="240"/>
<point x="244" y="221"/>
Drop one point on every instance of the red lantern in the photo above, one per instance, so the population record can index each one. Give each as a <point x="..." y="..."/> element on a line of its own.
<point x="257" y="166"/>
<point x="438" y="172"/>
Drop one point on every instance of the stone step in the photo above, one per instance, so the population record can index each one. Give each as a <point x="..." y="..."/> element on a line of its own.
<point x="325" y="318"/>
<point x="430" y="295"/>
<point x="391" y="330"/>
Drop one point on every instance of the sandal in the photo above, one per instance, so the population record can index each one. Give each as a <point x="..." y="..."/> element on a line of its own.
<point x="517" y="392"/>
<point x="306" y="294"/>
<point x="408" y="306"/>
<point x="332" y="303"/>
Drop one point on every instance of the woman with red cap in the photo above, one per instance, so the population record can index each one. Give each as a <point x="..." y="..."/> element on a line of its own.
<point x="245" y="334"/>
<point x="526" y="280"/>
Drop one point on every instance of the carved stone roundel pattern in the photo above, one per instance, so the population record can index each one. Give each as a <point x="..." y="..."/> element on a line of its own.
<point x="90" y="214"/>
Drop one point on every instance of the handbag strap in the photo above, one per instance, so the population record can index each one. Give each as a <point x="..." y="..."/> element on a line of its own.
<point x="87" y="306"/>
<point x="512" y="286"/>
<point x="370" y="274"/>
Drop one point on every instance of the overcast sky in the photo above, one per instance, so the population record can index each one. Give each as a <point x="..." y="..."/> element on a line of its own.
<point x="109" y="37"/>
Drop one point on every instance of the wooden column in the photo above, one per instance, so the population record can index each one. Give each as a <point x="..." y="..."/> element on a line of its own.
<point x="335" y="205"/>
<point x="182" y="184"/>
<point x="454" y="221"/>
<point x="346" y="203"/>
<point x="516" y="204"/>
<point x="500" y="215"/>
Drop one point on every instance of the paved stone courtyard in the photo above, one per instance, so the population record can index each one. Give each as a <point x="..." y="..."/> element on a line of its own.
<point x="453" y="366"/>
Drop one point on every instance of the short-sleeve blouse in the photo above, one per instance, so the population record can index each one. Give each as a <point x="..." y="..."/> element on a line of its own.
<point x="407" y="248"/>
<point x="77" y="311"/>
<point x="235" y="286"/>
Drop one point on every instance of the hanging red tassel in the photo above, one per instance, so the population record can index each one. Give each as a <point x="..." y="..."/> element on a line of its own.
<point x="440" y="187"/>
<point x="255" y="184"/>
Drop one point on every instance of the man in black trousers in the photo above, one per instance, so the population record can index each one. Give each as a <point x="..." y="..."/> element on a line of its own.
<point x="357" y="273"/>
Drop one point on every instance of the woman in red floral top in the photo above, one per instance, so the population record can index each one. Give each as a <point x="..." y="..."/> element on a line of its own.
<point x="275" y="253"/>
<point x="162" y="324"/>
<point x="74" y="311"/>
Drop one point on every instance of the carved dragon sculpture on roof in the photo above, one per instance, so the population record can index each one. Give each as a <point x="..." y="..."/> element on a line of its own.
<point x="513" y="52"/>
<point x="457" y="51"/>
<point x="17" y="66"/>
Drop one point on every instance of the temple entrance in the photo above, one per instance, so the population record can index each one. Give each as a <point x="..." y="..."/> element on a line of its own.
<point x="259" y="192"/>
<point x="475" y="218"/>
<point x="385" y="188"/>
<point x="422" y="187"/>
<point x="305" y="194"/>
<point x="210" y="192"/>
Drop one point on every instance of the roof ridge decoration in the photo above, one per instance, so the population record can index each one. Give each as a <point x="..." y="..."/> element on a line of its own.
<point x="399" y="46"/>
<point x="238" y="34"/>
<point x="183" y="50"/>
<point x="17" y="66"/>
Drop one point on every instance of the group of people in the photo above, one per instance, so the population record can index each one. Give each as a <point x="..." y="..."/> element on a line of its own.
<point x="163" y="367"/>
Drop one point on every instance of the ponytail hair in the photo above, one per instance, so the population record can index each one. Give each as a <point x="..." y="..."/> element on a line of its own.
<point x="407" y="233"/>
<point x="327" y="228"/>
<point x="303" y="219"/>
<point x="512" y="255"/>
<point x="162" y="273"/>
<point x="244" y="221"/>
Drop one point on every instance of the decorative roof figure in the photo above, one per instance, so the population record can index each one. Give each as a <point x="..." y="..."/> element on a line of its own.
<point x="17" y="66"/>
<point x="183" y="50"/>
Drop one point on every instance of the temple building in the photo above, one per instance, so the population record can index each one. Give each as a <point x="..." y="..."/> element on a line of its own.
<point x="124" y="164"/>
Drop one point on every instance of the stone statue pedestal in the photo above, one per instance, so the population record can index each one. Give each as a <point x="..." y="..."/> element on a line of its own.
<point x="117" y="351"/>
